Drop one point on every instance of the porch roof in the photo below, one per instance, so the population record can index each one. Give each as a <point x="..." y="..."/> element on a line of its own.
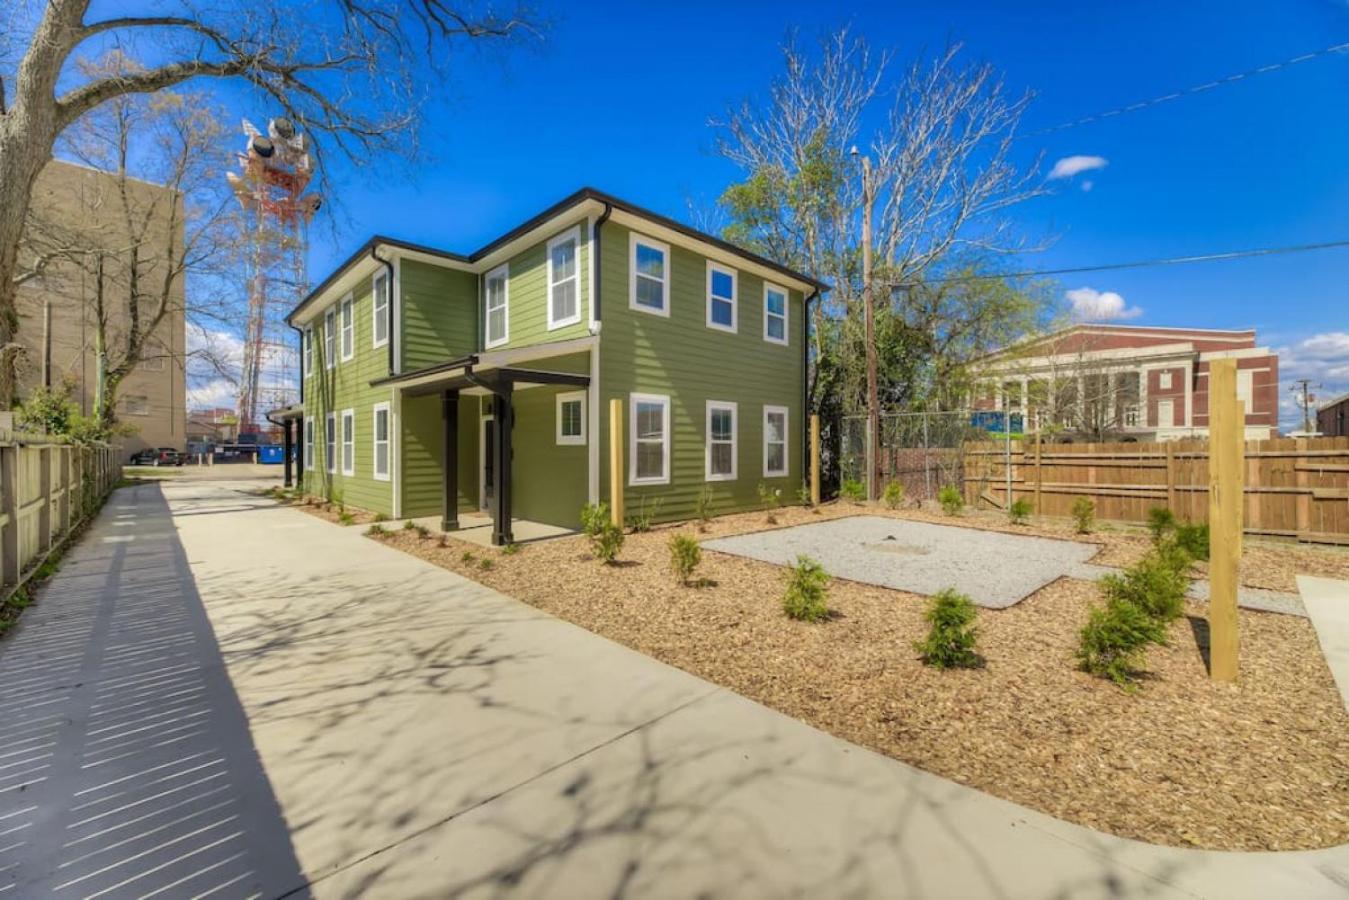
<point x="465" y="374"/>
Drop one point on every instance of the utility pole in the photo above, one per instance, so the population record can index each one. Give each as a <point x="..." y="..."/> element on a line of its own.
<point x="868" y="311"/>
<point x="1305" y="401"/>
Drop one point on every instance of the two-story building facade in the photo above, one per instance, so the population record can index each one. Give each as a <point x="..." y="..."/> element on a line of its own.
<point x="414" y="357"/>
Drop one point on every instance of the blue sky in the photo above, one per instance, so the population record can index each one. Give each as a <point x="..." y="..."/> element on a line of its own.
<point x="619" y="97"/>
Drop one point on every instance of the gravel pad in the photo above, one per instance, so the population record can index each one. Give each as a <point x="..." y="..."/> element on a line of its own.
<point x="995" y="570"/>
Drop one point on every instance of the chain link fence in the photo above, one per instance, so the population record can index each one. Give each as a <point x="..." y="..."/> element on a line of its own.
<point x="924" y="451"/>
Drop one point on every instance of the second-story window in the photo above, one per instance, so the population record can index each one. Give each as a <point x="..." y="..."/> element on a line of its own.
<point x="720" y="297"/>
<point x="497" y="318"/>
<point x="774" y="314"/>
<point x="649" y="265"/>
<point x="348" y="329"/>
<point x="330" y="337"/>
<point x="379" y="323"/>
<point x="564" y="279"/>
<point x="308" y="340"/>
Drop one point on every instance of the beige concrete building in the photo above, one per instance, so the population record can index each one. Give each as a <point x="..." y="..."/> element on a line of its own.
<point x="80" y="214"/>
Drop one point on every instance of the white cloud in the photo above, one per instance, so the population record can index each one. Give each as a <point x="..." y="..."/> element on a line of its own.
<point x="215" y="363"/>
<point x="1087" y="185"/>
<point x="1321" y="358"/>
<point x="1076" y="165"/>
<point x="1091" y="305"/>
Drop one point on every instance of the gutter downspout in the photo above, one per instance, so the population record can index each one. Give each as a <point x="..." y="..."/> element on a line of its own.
<point x="595" y="257"/>
<point x="805" y="390"/>
<point x="389" y="289"/>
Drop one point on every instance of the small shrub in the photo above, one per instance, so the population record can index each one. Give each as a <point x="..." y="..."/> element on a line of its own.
<point x="769" y="498"/>
<point x="893" y="495"/>
<point x="1161" y="522"/>
<point x="950" y="641"/>
<point x="803" y="494"/>
<point x="380" y="517"/>
<point x="1156" y="585"/>
<point x="1193" y="539"/>
<point x="442" y="541"/>
<point x="1084" y="514"/>
<point x="606" y="538"/>
<point x="640" y="522"/>
<point x="702" y="507"/>
<point x="485" y="564"/>
<point x="467" y="557"/>
<point x="685" y="554"/>
<point x="409" y="525"/>
<point x="1019" y="512"/>
<point x="346" y="518"/>
<point x="852" y="490"/>
<point x="510" y="549"/>
<point x="376" y="530"/>
<point x="807" y="591"/>
<point x="422" y="531"/>
<point x="951" y="499"/>
<point x="1114" y="639"/>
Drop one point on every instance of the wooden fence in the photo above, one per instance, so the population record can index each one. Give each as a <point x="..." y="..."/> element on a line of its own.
<point x="46" y="491"/>
<point x="1294" y="487"/>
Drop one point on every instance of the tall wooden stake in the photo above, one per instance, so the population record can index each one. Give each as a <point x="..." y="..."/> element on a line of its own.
<point x="815" y="460"/>
<point x="1227" y="429"/>
<point x="616" y="461"/>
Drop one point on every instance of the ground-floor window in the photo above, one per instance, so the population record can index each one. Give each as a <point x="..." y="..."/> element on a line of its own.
<point x="774" y="441"/>
<point x="308" y="443"/>
<point x="721" y="431"/>
<point x="330" y="442"/>
<point x="348" y="442"/>
<point x="571" y="418"/>
<point x="381" y="441"/>
<point x="650" y="446"/>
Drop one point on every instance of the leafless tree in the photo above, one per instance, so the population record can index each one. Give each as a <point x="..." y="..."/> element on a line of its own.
<point x="345" y="72"/>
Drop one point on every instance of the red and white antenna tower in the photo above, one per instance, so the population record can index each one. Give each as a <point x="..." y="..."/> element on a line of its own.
<point x="275" y="171"/>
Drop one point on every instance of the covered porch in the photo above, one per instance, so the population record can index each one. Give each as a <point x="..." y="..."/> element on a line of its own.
<point x="476" y="528"/>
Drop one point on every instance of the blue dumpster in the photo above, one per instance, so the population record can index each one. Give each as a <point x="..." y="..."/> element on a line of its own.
<point x="271" y="454"/>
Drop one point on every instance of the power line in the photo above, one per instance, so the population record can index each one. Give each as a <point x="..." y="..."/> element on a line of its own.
<point x="1186" y="92"/>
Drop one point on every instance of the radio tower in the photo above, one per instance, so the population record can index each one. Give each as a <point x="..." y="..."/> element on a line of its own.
<point x="274" y="172"/>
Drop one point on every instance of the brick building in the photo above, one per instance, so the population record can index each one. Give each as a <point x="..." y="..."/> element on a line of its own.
<point x="1332" y="417"/>
<point x="1110" y="382"/>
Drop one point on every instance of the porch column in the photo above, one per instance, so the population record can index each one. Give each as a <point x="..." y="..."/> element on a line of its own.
<point x="504" y="415"/>
<point x="288" y="445"/>
<point x="449" y="460"/>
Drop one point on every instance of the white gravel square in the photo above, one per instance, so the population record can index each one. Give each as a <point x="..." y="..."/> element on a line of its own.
<point x="995" y="569"/>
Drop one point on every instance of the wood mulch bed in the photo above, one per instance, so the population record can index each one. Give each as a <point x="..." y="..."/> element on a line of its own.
<point x="1262" y="764"/>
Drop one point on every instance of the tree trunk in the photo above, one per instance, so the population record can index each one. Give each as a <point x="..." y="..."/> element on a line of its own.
<point x="869" y="312"/>
<point x="21" y="159"/>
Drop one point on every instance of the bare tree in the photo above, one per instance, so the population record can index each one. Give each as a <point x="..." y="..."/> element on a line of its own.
<point x="344" y="72"/>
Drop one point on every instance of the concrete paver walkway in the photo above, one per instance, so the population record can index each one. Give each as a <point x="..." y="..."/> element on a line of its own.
<point x="424" y="736"/>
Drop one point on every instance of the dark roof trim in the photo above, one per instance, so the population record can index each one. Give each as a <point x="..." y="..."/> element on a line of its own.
<point x="448" y="366"/>
<point x="583" y="195"/>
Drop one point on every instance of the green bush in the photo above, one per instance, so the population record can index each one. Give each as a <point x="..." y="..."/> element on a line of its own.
<point x="852" y="489"/>
<point x="702" y="507"/>
<point x="803" y="494"/>
<point x="466" y="557"/>
<point x="951" y="499"/>
<point x="510" y="549"/>
<point x="640" y="522"/>
<point x="1156" y="585"/>
<point x="1193" y="539"/>
<point x="685" y="554"/>
<point x="1084" y="514"/>
<point x="950" y="641"/>
<point x="380" y="517"/>
<point x="606" y="538"/>
<point x="1114" y="639"/>
<point x="485" y="564"/>
<point x="893" y="495"/>
<point x="1161" y="522"/>
<point x="409" y="525"/>
<point x="376" y="530"/>
<point x="769" y="498"/>
<point x="346" y="518"/>
<point x="807" y="591"/>
<point x="1020" y="511"/>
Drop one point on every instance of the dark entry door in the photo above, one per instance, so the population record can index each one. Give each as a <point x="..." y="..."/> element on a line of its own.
<point x="489" y="443"/>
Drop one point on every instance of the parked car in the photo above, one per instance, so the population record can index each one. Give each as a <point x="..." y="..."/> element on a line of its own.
<point x="158" y="456"/>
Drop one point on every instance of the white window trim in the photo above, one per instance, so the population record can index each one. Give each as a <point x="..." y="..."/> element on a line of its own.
<point x="786" y="314"/>
<point x="1164" y="381"/>
<point x="502" y="271"/>
<point x="348" y="464"/>
<point x="664" y="401"/>
<point x="308" y="438"/>
<point x="572" y="234"/>
<point x="330" y="337"/>
<point x="578" y="440"/>
<point x="712" y="406"/>
<point x="375" y="317"/>
<point x="633" y="240"/>
<point x="786" y="442"/>
<point x="307" y="340"/>
<point x="735" y="297"/>
<point x="348" y="308"/>
<point x="330" y="455"/>
<point x="374" y="441"/>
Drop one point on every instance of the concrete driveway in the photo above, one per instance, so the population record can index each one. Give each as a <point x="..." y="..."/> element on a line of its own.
<point x="414" y="734"/>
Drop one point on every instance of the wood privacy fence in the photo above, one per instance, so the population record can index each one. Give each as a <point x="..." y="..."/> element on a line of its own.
<point x="46" y="491"/>
<point x="1294" y="487"/>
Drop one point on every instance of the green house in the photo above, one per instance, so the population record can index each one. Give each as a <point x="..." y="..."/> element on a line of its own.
<point x="413" y="358"/>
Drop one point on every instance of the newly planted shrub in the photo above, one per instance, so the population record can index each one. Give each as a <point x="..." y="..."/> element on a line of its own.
<point x="640" y="522"/>
<point x="606" y="538"/>
<point x="485" y="564"/>
<point x="376" y="530"/>
<point x="1114" y="639"/>
<point x="702" y="507"/>
<point x="1155" y="585"/>
<point x="769" y="498"/>
<point x="1193" y="539"/>
<point x="380" y="517"/>
<point x="1020" y="511"/>
<point x="1084" y="514"/>
<point x="346" y="518"/>
<point x="422" y="531"/>
<point x="685" y="554"/>
<point x="466" y="557"/>
<point x="853" y="490"/>
<point x="1161" y="522"/>
<point x="893" y="495"/>
<point x="951" y="639"/>
<point x="803" y="494"/>
<point x="510" y="549"/>
<point x="951" y="499"/>
<point x="807" y="591"/>
<point x="409" y="525"/>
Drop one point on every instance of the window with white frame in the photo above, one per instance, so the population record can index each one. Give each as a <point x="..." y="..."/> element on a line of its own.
<point x="330" y="442"/>
<point x="774" y="314"/>
<point x="649" y="416"/>
<point x="1164" y="381"/>
<point x="348" y="329"/>
<point x="307" y="339"/>
<point x="308" y="444"/>
<point x="649" y="265"/>
<point x="348" y="442"/>
<point x="721" y="432"/>
<point x="379" y="322"/>
<point x="380" y="448"/>
<point x="571" y="418"/>
<point x="721" y="283"/>
<point x="774" y="441"/>
<point x="564" y="279"/>
<point x="497" y="290"/>
<point x="330" y="337"/>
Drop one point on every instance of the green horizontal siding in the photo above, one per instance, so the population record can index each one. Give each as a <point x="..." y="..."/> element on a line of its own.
<point x="423" y="438"/>
<point x="528" y="295"/>
<point x="438" y="317"/>
<point x="550" y="479"/>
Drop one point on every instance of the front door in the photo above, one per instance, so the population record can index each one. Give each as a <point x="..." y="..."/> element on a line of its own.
<point x="487" y="456"/>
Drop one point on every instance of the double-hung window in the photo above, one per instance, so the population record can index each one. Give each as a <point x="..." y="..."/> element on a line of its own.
<point x="774" y="314"/>
<point x="649" y="452"/>
<point x="330" y="442"/>
<point x="308" y="444"/>
<point x="571" y="418"/>
<point x="330" y="337"/>
<point x="774" y="441"/>
<point x="379" y="302"/>
<point x="307" y="339"/>
<point x="348" y="442"/>
<point x="720" y="297"/>
<point x="649" y="266"/>
<point x="348" y="329"/>
<point x="380" y="430"/>
<point x="721" y="431"/>
<point x="497" y="288"/>
<point x="564" y="279"/>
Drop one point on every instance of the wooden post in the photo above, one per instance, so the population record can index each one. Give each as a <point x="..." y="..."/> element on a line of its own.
<point x="1226" y="442"/>
<point x="1038" y="477"/>
<point x="44" y="513"/>
<point x="10" y="564"/>
<point x="616" y="461"/>
<point x="1171" y="475"/>
<point x="815" y="459"/>
<point x="1303" y="503"/>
